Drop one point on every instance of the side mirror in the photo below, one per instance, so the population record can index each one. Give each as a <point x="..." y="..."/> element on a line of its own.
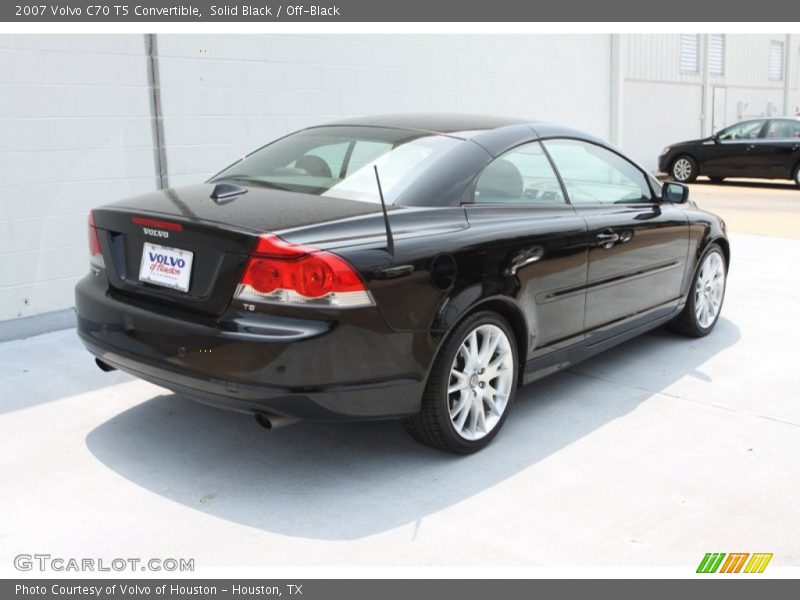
<point x="675" y="192"/>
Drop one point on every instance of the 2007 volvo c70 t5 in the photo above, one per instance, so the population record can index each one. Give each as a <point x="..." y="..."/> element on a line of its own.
<point x="420" y="267"/>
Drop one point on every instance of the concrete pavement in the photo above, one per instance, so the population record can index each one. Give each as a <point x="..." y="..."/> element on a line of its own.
<point x="759" y="206"/>
<point x="651" y="454"/>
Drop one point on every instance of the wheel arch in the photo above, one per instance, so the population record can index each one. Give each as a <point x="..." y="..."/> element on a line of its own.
<point x="714" y="238"/>
<point x="723" y="243"/>
<point x="504" y="306"/>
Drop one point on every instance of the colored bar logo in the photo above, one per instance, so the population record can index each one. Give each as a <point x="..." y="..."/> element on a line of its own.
<point x="719" y="562"/>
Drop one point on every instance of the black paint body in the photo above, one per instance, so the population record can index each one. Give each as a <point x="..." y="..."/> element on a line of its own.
<point x="323" y="363"/>
<point x="761" y="157"/>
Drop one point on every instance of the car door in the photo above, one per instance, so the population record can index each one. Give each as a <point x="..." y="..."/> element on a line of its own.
<point x="779" y="149"/>
<point x="524" y="226"/>
<point x="638" y="246"/>
<point x="732" y="151"/>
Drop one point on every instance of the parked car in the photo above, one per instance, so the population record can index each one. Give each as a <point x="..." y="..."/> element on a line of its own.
<point x="759" y="148"/>
<point x="506" y="251"/>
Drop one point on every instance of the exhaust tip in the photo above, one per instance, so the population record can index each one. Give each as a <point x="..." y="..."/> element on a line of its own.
<point x="104" y="366"/>
<point x="263" y="420"/>
<point x="268" y="421"/>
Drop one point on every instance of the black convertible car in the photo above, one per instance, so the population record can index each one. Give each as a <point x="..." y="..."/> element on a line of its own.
<point x="420" y="267"/>
<point x="759" y="148"/>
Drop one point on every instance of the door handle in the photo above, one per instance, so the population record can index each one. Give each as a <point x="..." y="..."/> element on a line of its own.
<point x="751" y="147"/>
<point x="607" y="239"/>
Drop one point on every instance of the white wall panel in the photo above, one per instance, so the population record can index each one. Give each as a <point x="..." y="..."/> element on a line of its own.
<point x="658" y="114"/>
<point x="657" y="58"/>
<point x="748" y="60"/>
<point x="223" y="96"/>
<point x="743" y="103"/>
<point x="74" y="133"/>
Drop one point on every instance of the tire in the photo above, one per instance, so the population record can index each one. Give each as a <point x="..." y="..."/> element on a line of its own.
<point x="684" y="169"/>
<point x="437" y="423"/>
<point x="797" y="175"/>
<point x="692" y="321"/>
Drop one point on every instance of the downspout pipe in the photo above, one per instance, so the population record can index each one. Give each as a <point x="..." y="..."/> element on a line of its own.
<point x="156" y="119"/>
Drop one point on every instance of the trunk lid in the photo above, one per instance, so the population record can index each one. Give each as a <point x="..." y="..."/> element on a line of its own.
<point x="170" y="224"/>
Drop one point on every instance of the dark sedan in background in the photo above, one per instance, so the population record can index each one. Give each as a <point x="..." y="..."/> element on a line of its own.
<point x="506" y="251"/>
<point x="757" y="148"/>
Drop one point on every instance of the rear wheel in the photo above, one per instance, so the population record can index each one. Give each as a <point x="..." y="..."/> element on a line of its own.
<point x="797" y="175"/>
<point x="705" y="297"/>
<point x="684" y="169"/>
<point x="471" y="387"/>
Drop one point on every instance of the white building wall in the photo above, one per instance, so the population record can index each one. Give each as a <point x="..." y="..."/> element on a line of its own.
<point x="747" y="61"/>
<point x="657" y="114"/>
<point x="657" y="58"/>
<point x="793" y="104"/>
<point x="223" y="96"/>
<point x="749" y="90"/>
<point x="74" y="133"/>
<point x="663" y="104"/>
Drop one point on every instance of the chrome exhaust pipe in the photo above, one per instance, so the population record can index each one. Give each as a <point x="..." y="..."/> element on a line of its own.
<point x="273" y="421"/>
<point x="104" y="366"/>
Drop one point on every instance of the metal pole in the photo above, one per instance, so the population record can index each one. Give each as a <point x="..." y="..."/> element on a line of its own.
<point x="156" y="120"/>
<point x="787" y="74"/>
<point x="617" y="84"/>
<point x="706" y="96"/>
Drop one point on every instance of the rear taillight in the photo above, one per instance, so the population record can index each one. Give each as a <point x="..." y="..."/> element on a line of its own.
<point x="284" y="273"/>
<point x="95" y="254"/>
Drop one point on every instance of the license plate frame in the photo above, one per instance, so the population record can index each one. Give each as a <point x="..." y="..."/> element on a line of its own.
<point x="175" y="270"/>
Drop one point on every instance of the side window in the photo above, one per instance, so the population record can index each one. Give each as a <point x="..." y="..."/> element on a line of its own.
<point x="523" y="175"/>
<point x="595" y="175"/>
<point x="783" y="129"/>
<point x="748" y="130"/>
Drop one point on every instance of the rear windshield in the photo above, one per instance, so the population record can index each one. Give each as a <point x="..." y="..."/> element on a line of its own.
<point x="338" y="162"/>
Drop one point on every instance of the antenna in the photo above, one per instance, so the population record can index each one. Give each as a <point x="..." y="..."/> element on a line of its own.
<point x="389" y="236"/>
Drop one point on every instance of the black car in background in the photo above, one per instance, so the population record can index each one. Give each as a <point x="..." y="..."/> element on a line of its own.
<point x="767" y="148"/>
<point x="506" y="251"/>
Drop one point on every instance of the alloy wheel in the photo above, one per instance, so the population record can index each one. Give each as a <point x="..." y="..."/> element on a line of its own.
<point x="481" y="380"/>
<point x="709" y="289"/>
<point x="682" y="169"/>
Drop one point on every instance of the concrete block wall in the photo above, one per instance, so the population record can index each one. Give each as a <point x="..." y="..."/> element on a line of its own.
<point x="74" y="133"/>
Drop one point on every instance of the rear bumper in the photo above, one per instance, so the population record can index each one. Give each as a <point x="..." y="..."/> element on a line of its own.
<point x="350" y="366"/>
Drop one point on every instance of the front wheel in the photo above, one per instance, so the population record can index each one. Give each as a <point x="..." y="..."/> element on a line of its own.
<point x="684" y="169"/>
<point x="797" y="175"/>
<point x="705" y="297"/>
<point x="471" y="387"/>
